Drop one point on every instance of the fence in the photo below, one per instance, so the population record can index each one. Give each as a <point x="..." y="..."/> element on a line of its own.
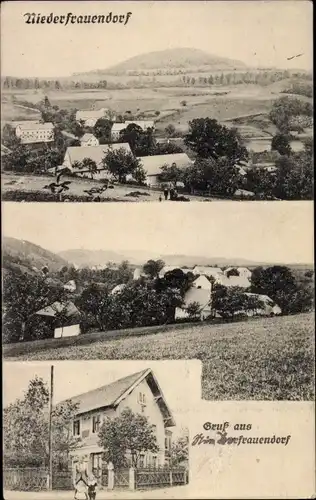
<point x="26" y="479"/>
<point x="36" y="479"/>
<point x="159" y="478"/>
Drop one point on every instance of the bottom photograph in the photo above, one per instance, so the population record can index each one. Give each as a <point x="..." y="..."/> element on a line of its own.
<point x="97" y="429"/>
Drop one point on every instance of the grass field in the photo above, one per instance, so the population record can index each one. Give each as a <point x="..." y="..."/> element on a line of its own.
<point x="261" y="359"/>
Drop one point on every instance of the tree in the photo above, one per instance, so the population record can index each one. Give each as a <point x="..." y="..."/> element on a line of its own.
<point x="128" y="434"/>
<point x="95" y="302"/>
<point x="90" y="165"/>
<point x="23" y="295"/>
<point x="170" y="173"/>
<point x="153" y="267"/>
<point x="285" y="108"/>
<point x="209" y="139"/>
<point x="279" y="283"/>
<point x="9" y="138"/>
<point x="26" y="429"/>
<point x="215" y="176"/>
<point x="120" y="164"/>
<point x="295" y="177"/>
<point x="194" y="310"/>
<point x="180" y="451"/>
<point x="229" y="301"/>
<point x="25" y="426"/>
<point x="132" y="134"/>
<point x="281" y="143"/>
<point x="102" y="129"/>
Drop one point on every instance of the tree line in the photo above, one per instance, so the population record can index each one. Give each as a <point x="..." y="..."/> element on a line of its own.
<point x="149" y="301"/>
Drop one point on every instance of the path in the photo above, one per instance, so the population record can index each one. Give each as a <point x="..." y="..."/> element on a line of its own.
<point x="177" y="492"/>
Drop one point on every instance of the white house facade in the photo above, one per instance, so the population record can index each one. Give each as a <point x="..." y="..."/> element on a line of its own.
<point x="152" y="165"/>
<point x="89" y="140"/>
<point x="139" y="392"/>
<point x="32" y="133"/>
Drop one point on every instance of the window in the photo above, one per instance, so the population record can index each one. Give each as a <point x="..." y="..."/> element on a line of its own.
<point x="141" y="461"/>
<point x="76" y="428"/>
<point x="142" y="398"/>
<point x="155" y="462"/>
<point x="96" y="420"/>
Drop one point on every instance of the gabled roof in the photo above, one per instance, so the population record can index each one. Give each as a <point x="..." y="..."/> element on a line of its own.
<point x="14" y="124"/>
<point x="240" y="281"/>
<point x="153" y="164"/>
<point x="199" y="295"/>
<point x="144" y="124"/>
<point x="96" y="153"/>
<point x="208" y="270"/>
<point x="68" y="308"/>
<point x="90" y="113"/>
<point x="111" y="395"/>
<point x="86" y="137"/>
<point x="36" y="126"/>
<point x="117" y="127"/>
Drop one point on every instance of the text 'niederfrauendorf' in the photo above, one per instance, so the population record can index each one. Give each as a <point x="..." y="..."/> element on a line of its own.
<point x="70" y="18"/>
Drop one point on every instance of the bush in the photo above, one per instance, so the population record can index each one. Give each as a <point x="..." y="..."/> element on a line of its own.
<point x="136" y="194"/>
<point x="30" y="196"/>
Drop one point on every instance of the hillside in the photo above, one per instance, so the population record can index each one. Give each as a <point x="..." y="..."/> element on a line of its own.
<point x="82" y="257"/>
<point x="180" y="58"/>
<point x="29" y="257"/>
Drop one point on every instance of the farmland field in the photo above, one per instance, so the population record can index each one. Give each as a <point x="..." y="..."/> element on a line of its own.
<point x="221" y="103"/>
<point x="260" y="359"/>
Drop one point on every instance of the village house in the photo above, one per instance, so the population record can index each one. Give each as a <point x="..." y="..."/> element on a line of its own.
<point x="31" y="133"/>
<point x="118" y="288"/>
<point x="63" y="319"/>
<point x="152" y="166"/>
<point x="138" y="273"/>
<point x="96" y="153"/>
<point x="240" y="271"/>
<point x="269" y="307"/>
<point x="229" y="281"/>
<point x="199" y="295"/>
<point x="139" y="392"/>
<point x="167" y="269"/>
<point x="116" y="130"/>
<point x="143" y="124"/>
<point x="202" y="282"/>
<point x="211" y="272"/>
<point x="91" y="116"/>
<point x="89" y="140"/>
<point x="70" y="286"/>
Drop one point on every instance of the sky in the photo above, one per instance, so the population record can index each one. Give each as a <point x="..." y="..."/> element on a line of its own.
<point x="72" y="378"/>
<point x="258" y="33"/>
<point x="276" y="232"/>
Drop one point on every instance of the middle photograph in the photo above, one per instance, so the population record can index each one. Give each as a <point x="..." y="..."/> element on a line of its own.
<point x="230" y="284"/>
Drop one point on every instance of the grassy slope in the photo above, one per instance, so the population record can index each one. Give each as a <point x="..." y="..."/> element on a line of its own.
<point x="268" y="358"/>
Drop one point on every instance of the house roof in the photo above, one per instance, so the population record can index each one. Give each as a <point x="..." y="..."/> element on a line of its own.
<point x="117" y="127"/>
<point x="201" y="279"/>
<point x="199" y="295"/>
<point x="36" y="126"/>
<point x="86" y="137"/>
<point x="96" y="153"/>
<point x="144" y="124"/>
<point x="208" y="270"/>
<point x="265" y="298"/>
<point x="68" y="308"/>
<point x="69" y="135"/>
<point x="90" y="113"/>
<point x="152" y="164"/>
<point x="118" y="288"/>
<point x="111" y="395"/>
<point x="14" y="124"/>
<point x="240" y="281"/>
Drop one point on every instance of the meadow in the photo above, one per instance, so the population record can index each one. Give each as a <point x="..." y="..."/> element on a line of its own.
<point x="258" y="359"/>
<point x="221" y="103"/>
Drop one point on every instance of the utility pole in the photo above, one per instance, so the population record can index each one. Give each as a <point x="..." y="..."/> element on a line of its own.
<point x="50" y="442"/>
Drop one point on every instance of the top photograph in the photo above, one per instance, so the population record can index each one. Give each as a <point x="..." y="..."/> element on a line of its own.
<point x="156" y="101"/>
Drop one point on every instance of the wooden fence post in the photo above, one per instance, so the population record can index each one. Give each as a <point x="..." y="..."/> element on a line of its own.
<point x="110" y="476"/>
<point x="131" y="478"/>
<point x="170" y="478"/>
